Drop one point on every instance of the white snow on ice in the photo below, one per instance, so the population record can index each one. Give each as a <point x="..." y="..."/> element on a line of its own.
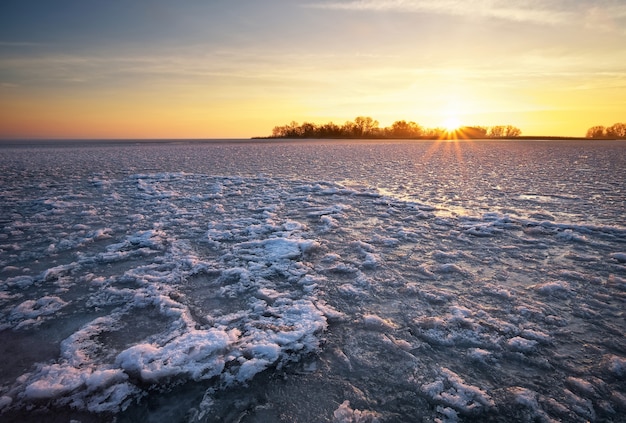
<point x="231" y="280"/>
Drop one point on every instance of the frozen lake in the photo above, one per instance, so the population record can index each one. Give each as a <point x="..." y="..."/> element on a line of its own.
<point x="313" y="281"/>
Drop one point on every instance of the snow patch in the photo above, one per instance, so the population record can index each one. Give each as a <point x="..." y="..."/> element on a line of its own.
<point x="33" y="312"/>
<point x="195" y="353"/>
<point x="345" y="414"/>
<point x="451" y="390"/>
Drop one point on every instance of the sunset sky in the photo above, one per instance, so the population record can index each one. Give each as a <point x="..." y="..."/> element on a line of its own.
<point x="237" y="68"/>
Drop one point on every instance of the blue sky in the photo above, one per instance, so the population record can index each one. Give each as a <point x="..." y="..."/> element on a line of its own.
<point x="237" y="68"/>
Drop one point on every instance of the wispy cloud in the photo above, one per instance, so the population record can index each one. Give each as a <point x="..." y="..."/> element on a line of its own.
<point x="188" y="68"/>
<point x="544" y="12"/>
<point x="19" y="44"/>
<point x="8" y="85"/>
<point x="606" y="18"/>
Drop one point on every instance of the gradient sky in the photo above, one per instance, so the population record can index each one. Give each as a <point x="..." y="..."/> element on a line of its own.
<point x="237" y="68"/>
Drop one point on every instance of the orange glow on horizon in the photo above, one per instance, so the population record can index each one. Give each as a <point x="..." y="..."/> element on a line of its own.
<point x="140" y="78"/>
<point x="182" y="114"/>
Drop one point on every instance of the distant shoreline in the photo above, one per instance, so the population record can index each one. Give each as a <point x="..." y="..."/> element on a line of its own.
<point x="521" y="137"/>
<point x="58" y="142"/>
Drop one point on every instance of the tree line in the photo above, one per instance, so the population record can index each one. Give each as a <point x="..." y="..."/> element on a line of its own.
<point x="617" y="131"/>
<point x="366" y="127"/>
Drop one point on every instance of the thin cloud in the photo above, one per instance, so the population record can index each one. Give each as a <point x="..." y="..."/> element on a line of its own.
<point x="19" y="44"/>
<point x="534" y="11"/>
<point x="187" y="68"/>
<point x="607" y="19"/>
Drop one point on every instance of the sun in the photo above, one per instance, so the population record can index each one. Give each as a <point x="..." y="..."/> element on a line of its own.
<point x="451" y="123"/>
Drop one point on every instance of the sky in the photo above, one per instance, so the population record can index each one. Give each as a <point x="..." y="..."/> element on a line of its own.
<point x="237" y="68"/>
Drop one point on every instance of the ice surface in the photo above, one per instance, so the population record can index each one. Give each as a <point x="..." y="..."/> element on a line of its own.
<point x="308" y="282"/>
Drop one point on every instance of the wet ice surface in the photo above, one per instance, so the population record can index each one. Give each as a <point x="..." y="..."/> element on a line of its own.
<point x="313" y="281"/>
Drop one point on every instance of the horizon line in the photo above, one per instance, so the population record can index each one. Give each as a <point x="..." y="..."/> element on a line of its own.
<point x="373" y="138"/>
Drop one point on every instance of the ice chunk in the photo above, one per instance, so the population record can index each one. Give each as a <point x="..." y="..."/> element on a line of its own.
<point x="276" y="249"/>
<point x="349" y="290"/>
<point x="558" y="289"/>
<point x="447" y="268"/>
<point x="525" y="397"/>
<point x="329" y="312"/>
<point x="265" y="350"/>
<point x="57" y="272"/>
<point x="483" y="230"/>
<point x="536" y="335"/>
<point x="196" y="353"/>
<point x="617" y="282"/>
<point x="41" y="307"/>
<point x="479" y="354"/>
<point x="21" y="282"/>
<point x="619" y="257"/>
<point x="581" y="406"/>
<point x="51" y="388"/>
<point x="570" y="235"/>
<point x="581" y="386"/>
<point x="371" y="261"/>
<point x="32" y="312"/>
<point x="282" y="248"/>
<point x="449" y="415"/>
<point x="375" y="322"/>
<point x="519" y="344"/>
<point x="250" y="368"/>
<point x="617" y="366"/>
<point x="345" y="414"/>
<point x="100" y="378"/>
<point x="452" y="391"/>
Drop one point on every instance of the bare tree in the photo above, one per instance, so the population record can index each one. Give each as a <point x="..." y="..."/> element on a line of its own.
<point x="596" y="132"/>
<point x="512" y="132"/>
<point x="508" y="131"/>
<point x="349" y="129"/>
<point x="404" y="129"/>
<point x="308" y="130"/>
<point x="617" y="130"/>
<point x="365" y="125"/>
<point x="496" y="132"/>
<point x="287" y="131"/>
<point x="330" y="130"/>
